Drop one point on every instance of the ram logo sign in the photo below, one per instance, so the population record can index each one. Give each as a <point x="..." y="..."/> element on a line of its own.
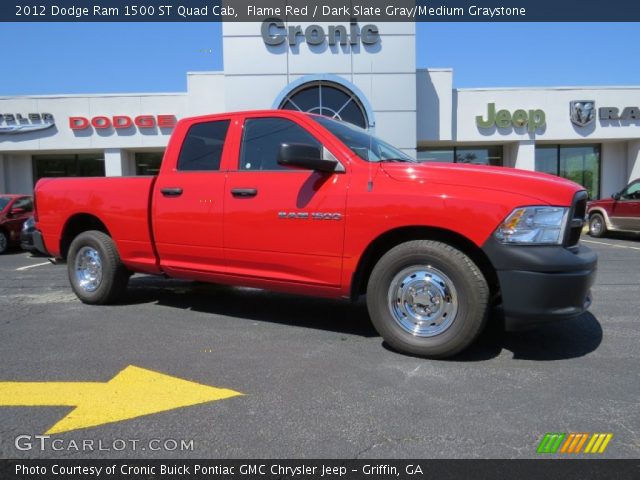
<point x="583" y="112"/>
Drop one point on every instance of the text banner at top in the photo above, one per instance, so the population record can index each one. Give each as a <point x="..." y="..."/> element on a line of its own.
<point x="320" y="11"/>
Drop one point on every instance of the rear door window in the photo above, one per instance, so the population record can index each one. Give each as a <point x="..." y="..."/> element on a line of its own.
<point x="202" y="147"/>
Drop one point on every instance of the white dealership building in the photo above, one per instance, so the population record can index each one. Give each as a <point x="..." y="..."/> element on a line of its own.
<point x="365" y="74"/>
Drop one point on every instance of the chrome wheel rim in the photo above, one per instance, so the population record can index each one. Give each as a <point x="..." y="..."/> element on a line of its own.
<point x="88" y="269"/>
<point x="423" y="301"/>
<point x="596" y="225"/>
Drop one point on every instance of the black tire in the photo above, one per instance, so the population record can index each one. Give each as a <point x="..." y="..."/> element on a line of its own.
<point x="114" y="276"/>
<point x="440" y="261"/>
<point x="4" y="242"/>
<point x="597" y="225"/>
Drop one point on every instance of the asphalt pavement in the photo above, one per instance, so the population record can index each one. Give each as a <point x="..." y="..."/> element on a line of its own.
<point x="317" y="381"/>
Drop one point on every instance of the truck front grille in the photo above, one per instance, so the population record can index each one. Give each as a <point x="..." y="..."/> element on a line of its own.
<point x="577" y="217"/>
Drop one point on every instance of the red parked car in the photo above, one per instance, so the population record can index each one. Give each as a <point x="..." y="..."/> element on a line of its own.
<point x="620" y="213"/>
<point x="14" y="211"/>
<point x="301" y="203"/>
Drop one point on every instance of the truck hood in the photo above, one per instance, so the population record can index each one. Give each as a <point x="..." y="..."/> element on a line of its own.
<point x="542" y="187"/>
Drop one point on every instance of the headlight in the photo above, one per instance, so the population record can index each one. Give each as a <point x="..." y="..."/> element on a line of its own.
<point x="534" y="226"/>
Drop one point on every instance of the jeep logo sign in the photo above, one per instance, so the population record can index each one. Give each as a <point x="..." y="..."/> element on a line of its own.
<point x="275" y="33"/>
<point x="532" y="119"/>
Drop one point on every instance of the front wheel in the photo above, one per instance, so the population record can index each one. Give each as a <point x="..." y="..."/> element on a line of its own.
<point x="427" y="298"/>
<point x="95" y="271"/>
<point x="597" y="227"/>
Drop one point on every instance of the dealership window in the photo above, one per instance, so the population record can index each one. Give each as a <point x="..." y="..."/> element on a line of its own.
<point x="148" y="163"/>
<point x="579" y="163"/>
<point x="489" y="155"/>
<point x="329" y="99"/>
<point x="83" y="165"/>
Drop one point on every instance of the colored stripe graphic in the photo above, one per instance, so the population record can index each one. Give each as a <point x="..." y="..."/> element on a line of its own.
<point x="598" y="443"/>
<point x="572" y="443"/>
<point x="551" y="442"/>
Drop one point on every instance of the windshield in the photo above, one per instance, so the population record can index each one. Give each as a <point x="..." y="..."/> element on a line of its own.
<point x="4" y="201"/>
<point x="366" y="146"/>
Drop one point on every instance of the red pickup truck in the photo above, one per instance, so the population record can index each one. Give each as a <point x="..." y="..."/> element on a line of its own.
<point x="305" y="204"/>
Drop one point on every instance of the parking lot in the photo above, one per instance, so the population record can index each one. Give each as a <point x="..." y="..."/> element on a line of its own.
<point x="316" y="379"/>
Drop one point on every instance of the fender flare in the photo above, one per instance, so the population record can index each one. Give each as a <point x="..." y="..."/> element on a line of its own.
<point x="604" y="214"/>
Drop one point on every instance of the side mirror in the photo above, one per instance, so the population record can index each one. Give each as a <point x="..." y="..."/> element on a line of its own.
<point x="309" y="157"/>
<point x="17" y="211"/>
<point x="616" y="196"/>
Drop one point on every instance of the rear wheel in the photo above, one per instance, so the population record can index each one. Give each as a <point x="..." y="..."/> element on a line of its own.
<point x="427" y="298"/>
<point x="95" y="271"/>
<point x="597" y="226"/>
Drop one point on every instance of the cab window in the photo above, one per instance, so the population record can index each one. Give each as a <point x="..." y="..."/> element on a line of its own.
<point x="261" y="140"/>
<point x="632" y="192"/>
<point x="202" y="147"/>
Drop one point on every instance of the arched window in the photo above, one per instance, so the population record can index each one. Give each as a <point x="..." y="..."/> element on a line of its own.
<point x="329" y="99"/>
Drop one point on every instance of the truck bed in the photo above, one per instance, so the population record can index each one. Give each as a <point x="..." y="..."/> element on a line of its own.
<point x="121" y="203"/>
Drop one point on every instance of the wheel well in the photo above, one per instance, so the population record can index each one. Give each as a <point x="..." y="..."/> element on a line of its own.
<point x="77" y="224"/>
<point x="6" y="232"/>
<point x="388" y="240"/>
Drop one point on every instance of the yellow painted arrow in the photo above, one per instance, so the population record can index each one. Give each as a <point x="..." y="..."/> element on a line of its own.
<point x="132" y="393"/>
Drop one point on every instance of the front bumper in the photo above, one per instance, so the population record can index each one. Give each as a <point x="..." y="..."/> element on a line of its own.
<point x="540" y="284"/>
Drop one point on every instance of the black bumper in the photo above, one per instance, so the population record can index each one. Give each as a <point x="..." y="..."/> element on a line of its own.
<point x="38" y="242"/>
<point x="26" y="241"/>
<point x="540" y="284"/>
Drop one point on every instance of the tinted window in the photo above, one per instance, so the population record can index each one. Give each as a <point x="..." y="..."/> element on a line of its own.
<point x="436" y="154"/>
<point x="262" y="139"/>
<point x="480" y="155"/>
<point x="148" y="163"/>
<point x="84" y="165"/>
<point x="366" y="146"/>
<point x="4" y="201"/>
<point x="579" y="163"/>
<point x="25" y="203"/>
<point x="632" y="192"/>
<point x="202" y="147"/>
<point x="328" y="99"/>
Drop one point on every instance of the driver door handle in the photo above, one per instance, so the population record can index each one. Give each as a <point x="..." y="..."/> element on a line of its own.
<point x="244" y="192"/>
<point x="171" y="192"/>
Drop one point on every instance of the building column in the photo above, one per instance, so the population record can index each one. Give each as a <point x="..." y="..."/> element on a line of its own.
<point x="3" y="186"/>
<point x="525" y="155"/>
<point x="18" y="174"/>
<point x="115" y="162"/>
<point x="633" y="160"/>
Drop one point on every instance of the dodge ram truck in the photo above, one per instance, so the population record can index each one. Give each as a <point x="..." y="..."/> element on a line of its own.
<point x="305" y="204"/>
